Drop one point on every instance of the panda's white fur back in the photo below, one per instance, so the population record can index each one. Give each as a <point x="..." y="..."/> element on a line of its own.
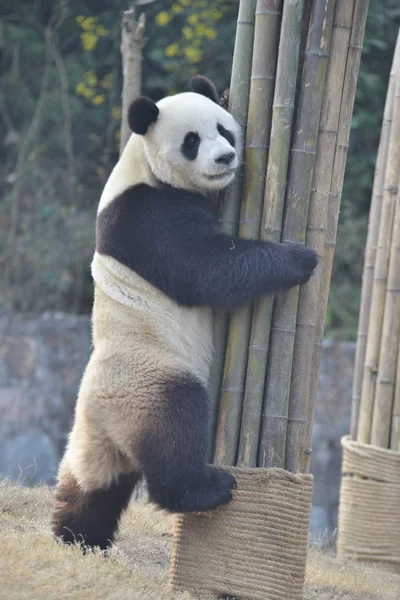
<point x="132" y="167"/>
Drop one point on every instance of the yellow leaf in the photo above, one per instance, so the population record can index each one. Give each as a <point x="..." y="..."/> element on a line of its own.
<point x="188" y="33"/>
<point x="171" y="50"/>
<point x="163" y="18"/>
<point x="89" y="40"/>
<point x="193" y="54"/>
<point x="99" y="99"/>
<point x="116" y="113"/>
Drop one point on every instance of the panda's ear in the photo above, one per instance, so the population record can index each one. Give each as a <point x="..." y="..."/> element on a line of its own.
<point x="201" y="85"/>
<point x="141" y="114"/>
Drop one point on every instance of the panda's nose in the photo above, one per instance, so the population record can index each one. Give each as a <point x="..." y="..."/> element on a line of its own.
<point x="225" y="159"/>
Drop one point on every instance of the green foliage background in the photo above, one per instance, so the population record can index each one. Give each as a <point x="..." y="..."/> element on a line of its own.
<point x="59" y="125"/>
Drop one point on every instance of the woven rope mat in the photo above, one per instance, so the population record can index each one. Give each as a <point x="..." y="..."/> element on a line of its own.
<point x="369" y="512"/>
<point x="255" y="547"/>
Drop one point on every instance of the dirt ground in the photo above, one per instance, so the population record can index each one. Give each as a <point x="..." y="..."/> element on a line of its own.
<point x="35" y="567"/>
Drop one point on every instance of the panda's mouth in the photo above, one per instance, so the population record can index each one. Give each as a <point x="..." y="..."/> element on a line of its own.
<point x="220" y="175"/>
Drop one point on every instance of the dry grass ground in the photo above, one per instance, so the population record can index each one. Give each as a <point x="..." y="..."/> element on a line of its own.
<point x="35" y="567"/>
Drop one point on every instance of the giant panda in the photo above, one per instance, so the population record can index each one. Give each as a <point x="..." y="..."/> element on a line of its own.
<point x="161" y="265"/>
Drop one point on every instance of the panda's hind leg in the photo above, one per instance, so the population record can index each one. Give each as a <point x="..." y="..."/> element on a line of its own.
<point x="91" y="518"/>
<point x="172" y="453"/>
<point x="94" y="487"/>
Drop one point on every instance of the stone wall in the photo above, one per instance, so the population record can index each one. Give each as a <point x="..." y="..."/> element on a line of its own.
<point x="41" y="363"/>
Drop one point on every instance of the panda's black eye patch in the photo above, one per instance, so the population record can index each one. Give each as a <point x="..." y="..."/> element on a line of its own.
<point x="190" y="146"/>
<point x="228" y="135"/>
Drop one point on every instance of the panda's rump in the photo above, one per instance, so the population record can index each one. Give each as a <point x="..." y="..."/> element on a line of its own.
<point x="125" y="396"/>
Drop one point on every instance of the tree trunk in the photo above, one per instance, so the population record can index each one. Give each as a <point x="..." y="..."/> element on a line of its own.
<point x="132" y="42"/>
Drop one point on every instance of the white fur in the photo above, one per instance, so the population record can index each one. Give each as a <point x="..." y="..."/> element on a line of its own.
<point x="131" y="168"/>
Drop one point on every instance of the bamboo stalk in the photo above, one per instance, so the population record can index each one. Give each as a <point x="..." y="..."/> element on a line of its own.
<point x="386" y="379"/>
<point x="395" y="428"/>
<point x="347" y="103"/>
<point x="238" y="106"/>
<point x="294" y="223"/>
<point x="297" y="421"/>
<point x="309" y="295"/>
<point x="346" y="111"/>
<point x="239" y="92"/>
<point x="266" y="34"/>
<point x="274" y="196"/>
<point x="380" y="275"/>
<point x="372" y="241"/>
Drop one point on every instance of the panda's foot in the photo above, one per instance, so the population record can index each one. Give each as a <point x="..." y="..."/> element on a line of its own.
<point x="209" y="492"/>
<point x="90" y="519"/>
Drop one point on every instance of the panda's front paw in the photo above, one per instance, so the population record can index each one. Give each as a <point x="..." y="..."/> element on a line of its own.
<point x="303" y="262"/>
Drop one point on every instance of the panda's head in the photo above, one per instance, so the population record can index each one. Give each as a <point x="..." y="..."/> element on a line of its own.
<point x="190" y="141"/>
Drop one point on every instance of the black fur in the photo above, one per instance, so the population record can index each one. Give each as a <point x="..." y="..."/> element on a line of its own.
<point x="173" y="452"/>
<point x="141" y="114"/>
<point x="190" y="145"/>
<point x="171" y="238"/>
<point x="225" y="159"/>
<point x="91" y="518"/>
<point x="228" y="135"/>
<point x="201" y="85"/>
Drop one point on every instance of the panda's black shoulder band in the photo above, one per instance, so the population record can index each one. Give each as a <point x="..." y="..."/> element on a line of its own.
<point x="171" y="238"/>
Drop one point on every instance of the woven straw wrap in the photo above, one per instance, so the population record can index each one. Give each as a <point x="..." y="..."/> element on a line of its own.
<point x="255" y="547"/>
<point x="369" y="513"/>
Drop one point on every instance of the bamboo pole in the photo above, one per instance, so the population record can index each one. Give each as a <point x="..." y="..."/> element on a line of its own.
<point x="302" y="163"/>
<point x="395" y="428"/>
<point x="132" y="42"/>
<point x="372" y="241"/>
<point x="238" y="106"/>
<point x="266" y="35"/>
<point x="380" y="275"/>
<point x="274" y="196"/>
<point x="346" y="111"/>
<point x="297" y="421"/>
<point x="309" y="295"/>
<point x="386" y="379"/>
